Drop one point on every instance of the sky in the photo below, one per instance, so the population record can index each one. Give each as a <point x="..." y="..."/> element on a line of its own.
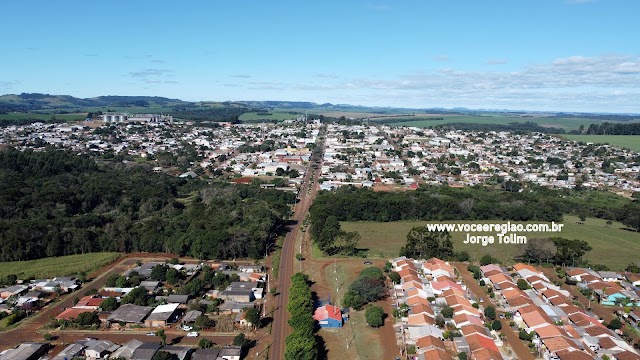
<point x="537" y="55"/>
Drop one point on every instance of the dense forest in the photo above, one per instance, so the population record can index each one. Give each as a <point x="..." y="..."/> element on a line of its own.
<point x="471" y="203"/>
<point x="614" y="129"/>
<point x="513" y="126"/>
<point x="56" y="203"/>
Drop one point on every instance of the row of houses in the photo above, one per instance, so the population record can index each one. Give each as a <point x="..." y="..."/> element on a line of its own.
<point x="561" y="330"/>
<point x="610" y="288"/>
<point x="92" y="349"/>
<point x="34" y="294"/>
<point x="427" y="287"/>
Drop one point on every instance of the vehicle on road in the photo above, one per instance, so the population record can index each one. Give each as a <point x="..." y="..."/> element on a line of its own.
<point x="187" y="327"/>
<point x="151" y="334"/>
<point x="192" y="334"/>
<point x="367" y="262"/>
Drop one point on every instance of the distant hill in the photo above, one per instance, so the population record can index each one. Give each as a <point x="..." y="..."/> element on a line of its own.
<point x="36" y="102"/>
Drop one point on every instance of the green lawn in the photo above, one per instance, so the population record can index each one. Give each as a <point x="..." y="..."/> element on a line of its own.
<point x="612" y="245"/>
<point x="628" y="141"/>
<point x="57" y="266"/>
<point x="427" y="120"/>
<point x="273" y="116"/>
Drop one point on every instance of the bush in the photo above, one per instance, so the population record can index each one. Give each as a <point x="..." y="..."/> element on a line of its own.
<point x="374" y="316"/>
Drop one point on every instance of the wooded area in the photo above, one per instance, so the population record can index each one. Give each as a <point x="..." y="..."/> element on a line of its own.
<point x="56" y="203"/>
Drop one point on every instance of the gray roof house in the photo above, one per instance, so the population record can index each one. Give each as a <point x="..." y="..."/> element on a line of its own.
<point x="126" y="351"/>
<point x="181" y="352"/>
<point x="130" y="313"/>
<point x="26" y="351"/>
<point x="145" y="351"/>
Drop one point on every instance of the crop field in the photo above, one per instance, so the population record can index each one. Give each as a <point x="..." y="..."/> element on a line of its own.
<point x="627" y="141"/>
<point x="428" y="120"/>
<point x="57" y="266"/>
<point x="271" y="116"/>
<point x="612" y="245"/>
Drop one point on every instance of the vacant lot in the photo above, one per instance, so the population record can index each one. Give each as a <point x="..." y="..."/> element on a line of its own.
<point x="612" y="245"/>
<point x="628" y="141"/>
<point x="57" y="266"/>
<point x="428" y="120"/>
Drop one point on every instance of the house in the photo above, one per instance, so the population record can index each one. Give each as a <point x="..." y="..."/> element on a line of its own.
<point x="26" y="351"/>
<point x="162" y="315"/>
<point x="328" y="316"/>
<point x="180" y="352"/>
<point x="239" y="291"/>
<point x="226" y="353"/>
<point x="129" y="314"/>
<point x="609" y="276"/>
<point x="72" y="351"/>
<point x="191" y="316"/>
<point x="178" y="299"/>
<point x="125" y="351"/>
<point x="98" y="349"/>
<point x="14" y="290"/>
<point x="145" y="351"/>
<point x="72" y="313"/>
<point x="150" y="285"/>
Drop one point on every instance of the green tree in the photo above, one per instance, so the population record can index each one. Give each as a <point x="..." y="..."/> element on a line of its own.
<point x="163" y="355"/>
<point x="163" y="337"/>
<point x="395" y="277"/>
<point x="488" y="259"/>
<point x="425" y="244"/>
<point x="204" y="322"/>
<point x="353" y="300"/>
<point x="496" y="325"/>
<point x="490" y="312"/>
<point x="137" y="296"/>
<point x="447" y="312"/>
<point x="205" y="343"/>
<point x="523" y="284"/>
<point x="87" y="319"/>
<point x="109" y="304"/>
<point x="615" y="324"/>
<point x="159" y="272"/>
<point x="252" y="315"/>
<point x="462" y="356"/>
<point x="173" y="276"/>
<point x="374" y="316"/>
<point x="240" y="340"/>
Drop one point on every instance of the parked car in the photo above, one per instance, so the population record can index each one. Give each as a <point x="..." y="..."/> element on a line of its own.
<point x="192" y="334"/>
<point x="151" y="334"/>
<point x="367" y="262"/>
<point x="187" y="327"/>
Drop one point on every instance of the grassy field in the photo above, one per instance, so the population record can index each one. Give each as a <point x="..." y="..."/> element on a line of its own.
<point x="427" y="120"/>
<point x="628" y="141"/>
<point x="612" y="245"/>
<point x="57" y="266"/>
<point x="273" y="116"/>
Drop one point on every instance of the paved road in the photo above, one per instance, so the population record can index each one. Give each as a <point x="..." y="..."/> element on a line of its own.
<point x="521" y="351"/>
<point x="281" y="316"/>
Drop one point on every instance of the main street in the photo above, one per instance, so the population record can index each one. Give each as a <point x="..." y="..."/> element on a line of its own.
<point x="280" y="324"/>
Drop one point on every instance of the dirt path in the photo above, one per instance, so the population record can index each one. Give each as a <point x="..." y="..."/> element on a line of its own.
<point x="518" y="347"/>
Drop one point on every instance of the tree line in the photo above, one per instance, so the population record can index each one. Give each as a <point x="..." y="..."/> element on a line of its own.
<point x="301" y="344"/>
<point x="614" y="129"/>
<point x="56" y="203"/>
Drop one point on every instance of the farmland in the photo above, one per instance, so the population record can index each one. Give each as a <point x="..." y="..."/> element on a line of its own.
<point x="57" y="266"/>
<point x="628" y="141"/>
<point x="42" y="116"/>
<point x="430" y="120"/>
<point x="612" y="244"/>
<point x="251" y="116"/>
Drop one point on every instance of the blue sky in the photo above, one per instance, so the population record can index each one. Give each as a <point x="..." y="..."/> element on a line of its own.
<point x="563" y="55"/>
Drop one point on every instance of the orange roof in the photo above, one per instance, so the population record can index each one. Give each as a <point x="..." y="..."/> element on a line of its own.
<point x="549" y="331"/>
<point x="472" y="329"/>
<point x="437" y="354"/>
<point x="411" y="301"/>
<point x="477" y="342"/>
<point x="575" y="355"/>
<point x="534" y="279"/>
<point x="461" y="318"/>
<point x="519" y="301"/>
<point x="452" y="291"/>
<point x="534" y="318"/>
<point x="557" y="343"/>
<point x="421" y="308"/>
<point x="412" y="284"/>
<point x="486" y="354"/>
<point x="499" y="278"/>
<point x="527" y="309"/>
<point x="512" y="293"/>
<point x="577" y="272"/>
<point x="71" y="314"/>
<point x="426" y="342"/>
<point x="420" y="319"/>
<point x="407" y="272"/>
<point x="550" y="293"/>
<point x="522" y="266"/>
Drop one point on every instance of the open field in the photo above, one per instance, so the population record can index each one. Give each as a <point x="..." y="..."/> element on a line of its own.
<point x="57" y="266"/>
<point x="628" y="141"/>
<point x="612" y="245"/>
<point x="427" y="121"/>
<point x="273" y="116"/>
